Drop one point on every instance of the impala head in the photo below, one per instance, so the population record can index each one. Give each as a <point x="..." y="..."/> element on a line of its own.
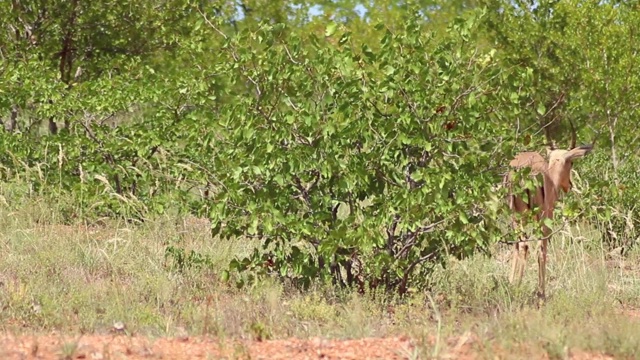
<point x="560" y="161"/>
<point x="560" y="164"/>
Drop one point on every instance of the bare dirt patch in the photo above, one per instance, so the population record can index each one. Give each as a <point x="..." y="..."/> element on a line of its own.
<point x="136" y="347"/>
<point x="97" y="347"/>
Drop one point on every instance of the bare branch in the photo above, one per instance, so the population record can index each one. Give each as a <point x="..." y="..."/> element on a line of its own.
<point x="573" y="135"/>
<point x="290" y="57"/>
<point x="545" y="127"/>
<point x="204" y="16"/>
<point x="411" y="236"/>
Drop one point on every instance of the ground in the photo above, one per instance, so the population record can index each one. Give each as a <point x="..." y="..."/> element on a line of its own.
<point x="120" y="346"/>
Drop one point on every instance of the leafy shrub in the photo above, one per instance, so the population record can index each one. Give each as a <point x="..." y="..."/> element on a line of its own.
<point x="611" y="199"/>
<point x="362" y="166"/>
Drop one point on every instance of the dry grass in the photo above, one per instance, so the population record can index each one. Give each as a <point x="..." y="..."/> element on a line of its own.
<point x="78" y="279"/>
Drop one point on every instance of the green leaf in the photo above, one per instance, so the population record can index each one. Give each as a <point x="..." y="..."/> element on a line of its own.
<point x="463" y="218"/>
<point x="225" y="276"/>
<point x="389" y="70"/>
<point x="330" y="29"/>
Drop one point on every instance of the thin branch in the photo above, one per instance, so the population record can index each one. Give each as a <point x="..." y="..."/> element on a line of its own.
<point x="378" y="110"/>
<point x="415" y="263"/>
<point x="290" y="57"/>
<point x="412" y="235"/>
<point x="297" y="109"/>
<point x="545" y="127"/>
<point x="412" y="105"/>
<point x="391" y="231"/>
<point x="531" y="239"/>
<point x="304" y="193"/>
<point x="458" y="99"/>
<point x="256" y="84"/>
<point x="204" y="16"/>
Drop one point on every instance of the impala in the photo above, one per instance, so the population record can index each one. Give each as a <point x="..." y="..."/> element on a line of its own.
<point x="556" y="178"/>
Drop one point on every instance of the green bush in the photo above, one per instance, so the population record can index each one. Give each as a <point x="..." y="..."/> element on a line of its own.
<point x="363" y="166"/>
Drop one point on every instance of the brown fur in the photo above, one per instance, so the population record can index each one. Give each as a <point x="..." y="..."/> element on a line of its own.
<point x="556" y="177"/>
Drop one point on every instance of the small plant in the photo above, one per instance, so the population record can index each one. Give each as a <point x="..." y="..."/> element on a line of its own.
<point x="180" y="260"/>
<point x="259" y="331"/>
<point x="69" y="350"/>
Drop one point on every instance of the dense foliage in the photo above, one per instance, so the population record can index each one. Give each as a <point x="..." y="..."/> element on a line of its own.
<point x="363" y="147"/>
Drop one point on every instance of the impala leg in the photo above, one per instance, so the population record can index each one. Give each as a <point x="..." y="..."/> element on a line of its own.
<point x="519" y="258"/>
<point x="514" y="263"/>
<point x="542" y="264"/>
<point x="515" y="257"/>
<point x="542" y="269"/>
<point x="524" y="254"/>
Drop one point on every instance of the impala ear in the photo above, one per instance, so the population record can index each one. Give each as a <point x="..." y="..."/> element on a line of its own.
<point x="578" y="152"/>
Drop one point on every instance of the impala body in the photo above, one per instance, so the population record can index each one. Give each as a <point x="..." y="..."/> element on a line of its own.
<point x="556" y="178"/>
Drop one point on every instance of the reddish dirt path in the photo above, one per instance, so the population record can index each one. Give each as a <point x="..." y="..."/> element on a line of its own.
<point x="98" y="347"/>
<point x="103" y="347"/>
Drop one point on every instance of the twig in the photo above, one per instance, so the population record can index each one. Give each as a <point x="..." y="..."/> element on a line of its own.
<point x="256" y="84"/>
<point x="211" y="24"/>
<point x="378" y="110"/>
<point x="290" y="57"/>
<point x="292" y="104"/>
<point x="414" y="234"/>
<point x="530" y="239"/>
